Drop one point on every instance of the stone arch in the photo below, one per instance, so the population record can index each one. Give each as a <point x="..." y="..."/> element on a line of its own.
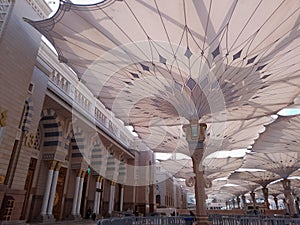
<point x="78" y="148"/>
<point x="52" y="130"/>
<point x="122" y="172"/>
<point x="112" y="165"/>
<point x="99" y="158"/>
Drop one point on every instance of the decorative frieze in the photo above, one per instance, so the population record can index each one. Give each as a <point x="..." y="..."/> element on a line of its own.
<point x="30" y="140"/>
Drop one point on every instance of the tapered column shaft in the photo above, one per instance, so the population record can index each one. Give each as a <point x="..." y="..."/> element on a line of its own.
<point x="53" y="189"/>
<point x="111" y="198"/>
<point x="75" y="198"/>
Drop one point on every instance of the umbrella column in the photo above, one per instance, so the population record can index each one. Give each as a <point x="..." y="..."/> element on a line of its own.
<point x="233" y="203"/>
<point x="266" y="196"/>
<point x="289" y="197"/>
<point x="238" y="200"/>
<point x="276" y="201"/>
<point x="297" y="205"/>
<point x="252" y="194"/>
<point x="227" y="204"/>
<point x="195" y="136"/>
<point x="244" y="201"/>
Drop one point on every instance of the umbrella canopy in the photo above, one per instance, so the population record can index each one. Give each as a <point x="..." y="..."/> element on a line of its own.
<point x="180" y="168"/>
<point x="296" y="173"/>
<point x="234" y="190"/>
<point x="262" y="178"/>
<point x="222" y="195"/>
<point x="221" y="167"/>
<point x="214" y="167"/>
<point x="282" y="135"/>
<point x="249" y="185"/>
<point x="232" y="135"/>
<point x="158" y="65"/>
<point x="216" y="185"/>
<point x="283" y="164"/>
<point x="277" y="187"/>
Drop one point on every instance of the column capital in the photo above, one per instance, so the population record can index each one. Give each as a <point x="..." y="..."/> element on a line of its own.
<point x="195" y="136"/>
<point x="113" y="183"/>
<point x="79" y="172"/>
<point x="83" y="173"/>
<point x="286" y="183"/>
<point x="52" y="164"/>
<point x="58" y="166"/>
<point x="99" y="179"/>
<point x="195" y="131"/>
<point x="264" y="188"/>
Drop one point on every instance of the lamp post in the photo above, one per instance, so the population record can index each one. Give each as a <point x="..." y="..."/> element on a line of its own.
<point x="195" y="136"/>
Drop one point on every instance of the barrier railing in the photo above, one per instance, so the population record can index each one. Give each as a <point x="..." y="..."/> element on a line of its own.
<point x="151" y="220"/>
<point x="186" y="220"/>
<point x="251" y="220"/>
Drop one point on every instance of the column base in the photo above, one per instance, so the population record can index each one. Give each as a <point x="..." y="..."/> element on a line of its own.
<point x="46" y="218"/>
<point x="202" y="220"/>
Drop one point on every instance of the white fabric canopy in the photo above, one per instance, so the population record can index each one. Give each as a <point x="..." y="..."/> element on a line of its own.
<point x="235" y="190"/>
<point x="280" y="136"/>
<point x="249" y="185"/>
<point x="262" y="178"/>
<point x="157" y="65"/>
<point x="221" y="167"/>
<point x="213" y="167"/>
<point x="221" y="195"/>
<point x="284" y="163"/>
<point x="277" y="188"/>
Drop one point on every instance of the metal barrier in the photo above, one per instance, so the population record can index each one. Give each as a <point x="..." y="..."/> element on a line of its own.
<point x="151" y="220"/>
<point x="185" y="220"/>
<point x="251" y="220"/>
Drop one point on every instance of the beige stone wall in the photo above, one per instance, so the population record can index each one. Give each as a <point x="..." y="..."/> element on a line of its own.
<point x="144" y="203"/>
<point x="129" y="197"/>
<point x="19" y="44"/>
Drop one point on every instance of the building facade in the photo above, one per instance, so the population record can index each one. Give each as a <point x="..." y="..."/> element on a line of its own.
<point x="170" y="193"/>
<point x="62" y="153"/>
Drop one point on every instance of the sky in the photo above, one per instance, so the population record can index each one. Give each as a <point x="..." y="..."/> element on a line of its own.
<point x="289" y="112"/>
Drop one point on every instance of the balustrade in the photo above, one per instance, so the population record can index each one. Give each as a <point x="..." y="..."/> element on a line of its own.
<point x="85" y="102"/>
